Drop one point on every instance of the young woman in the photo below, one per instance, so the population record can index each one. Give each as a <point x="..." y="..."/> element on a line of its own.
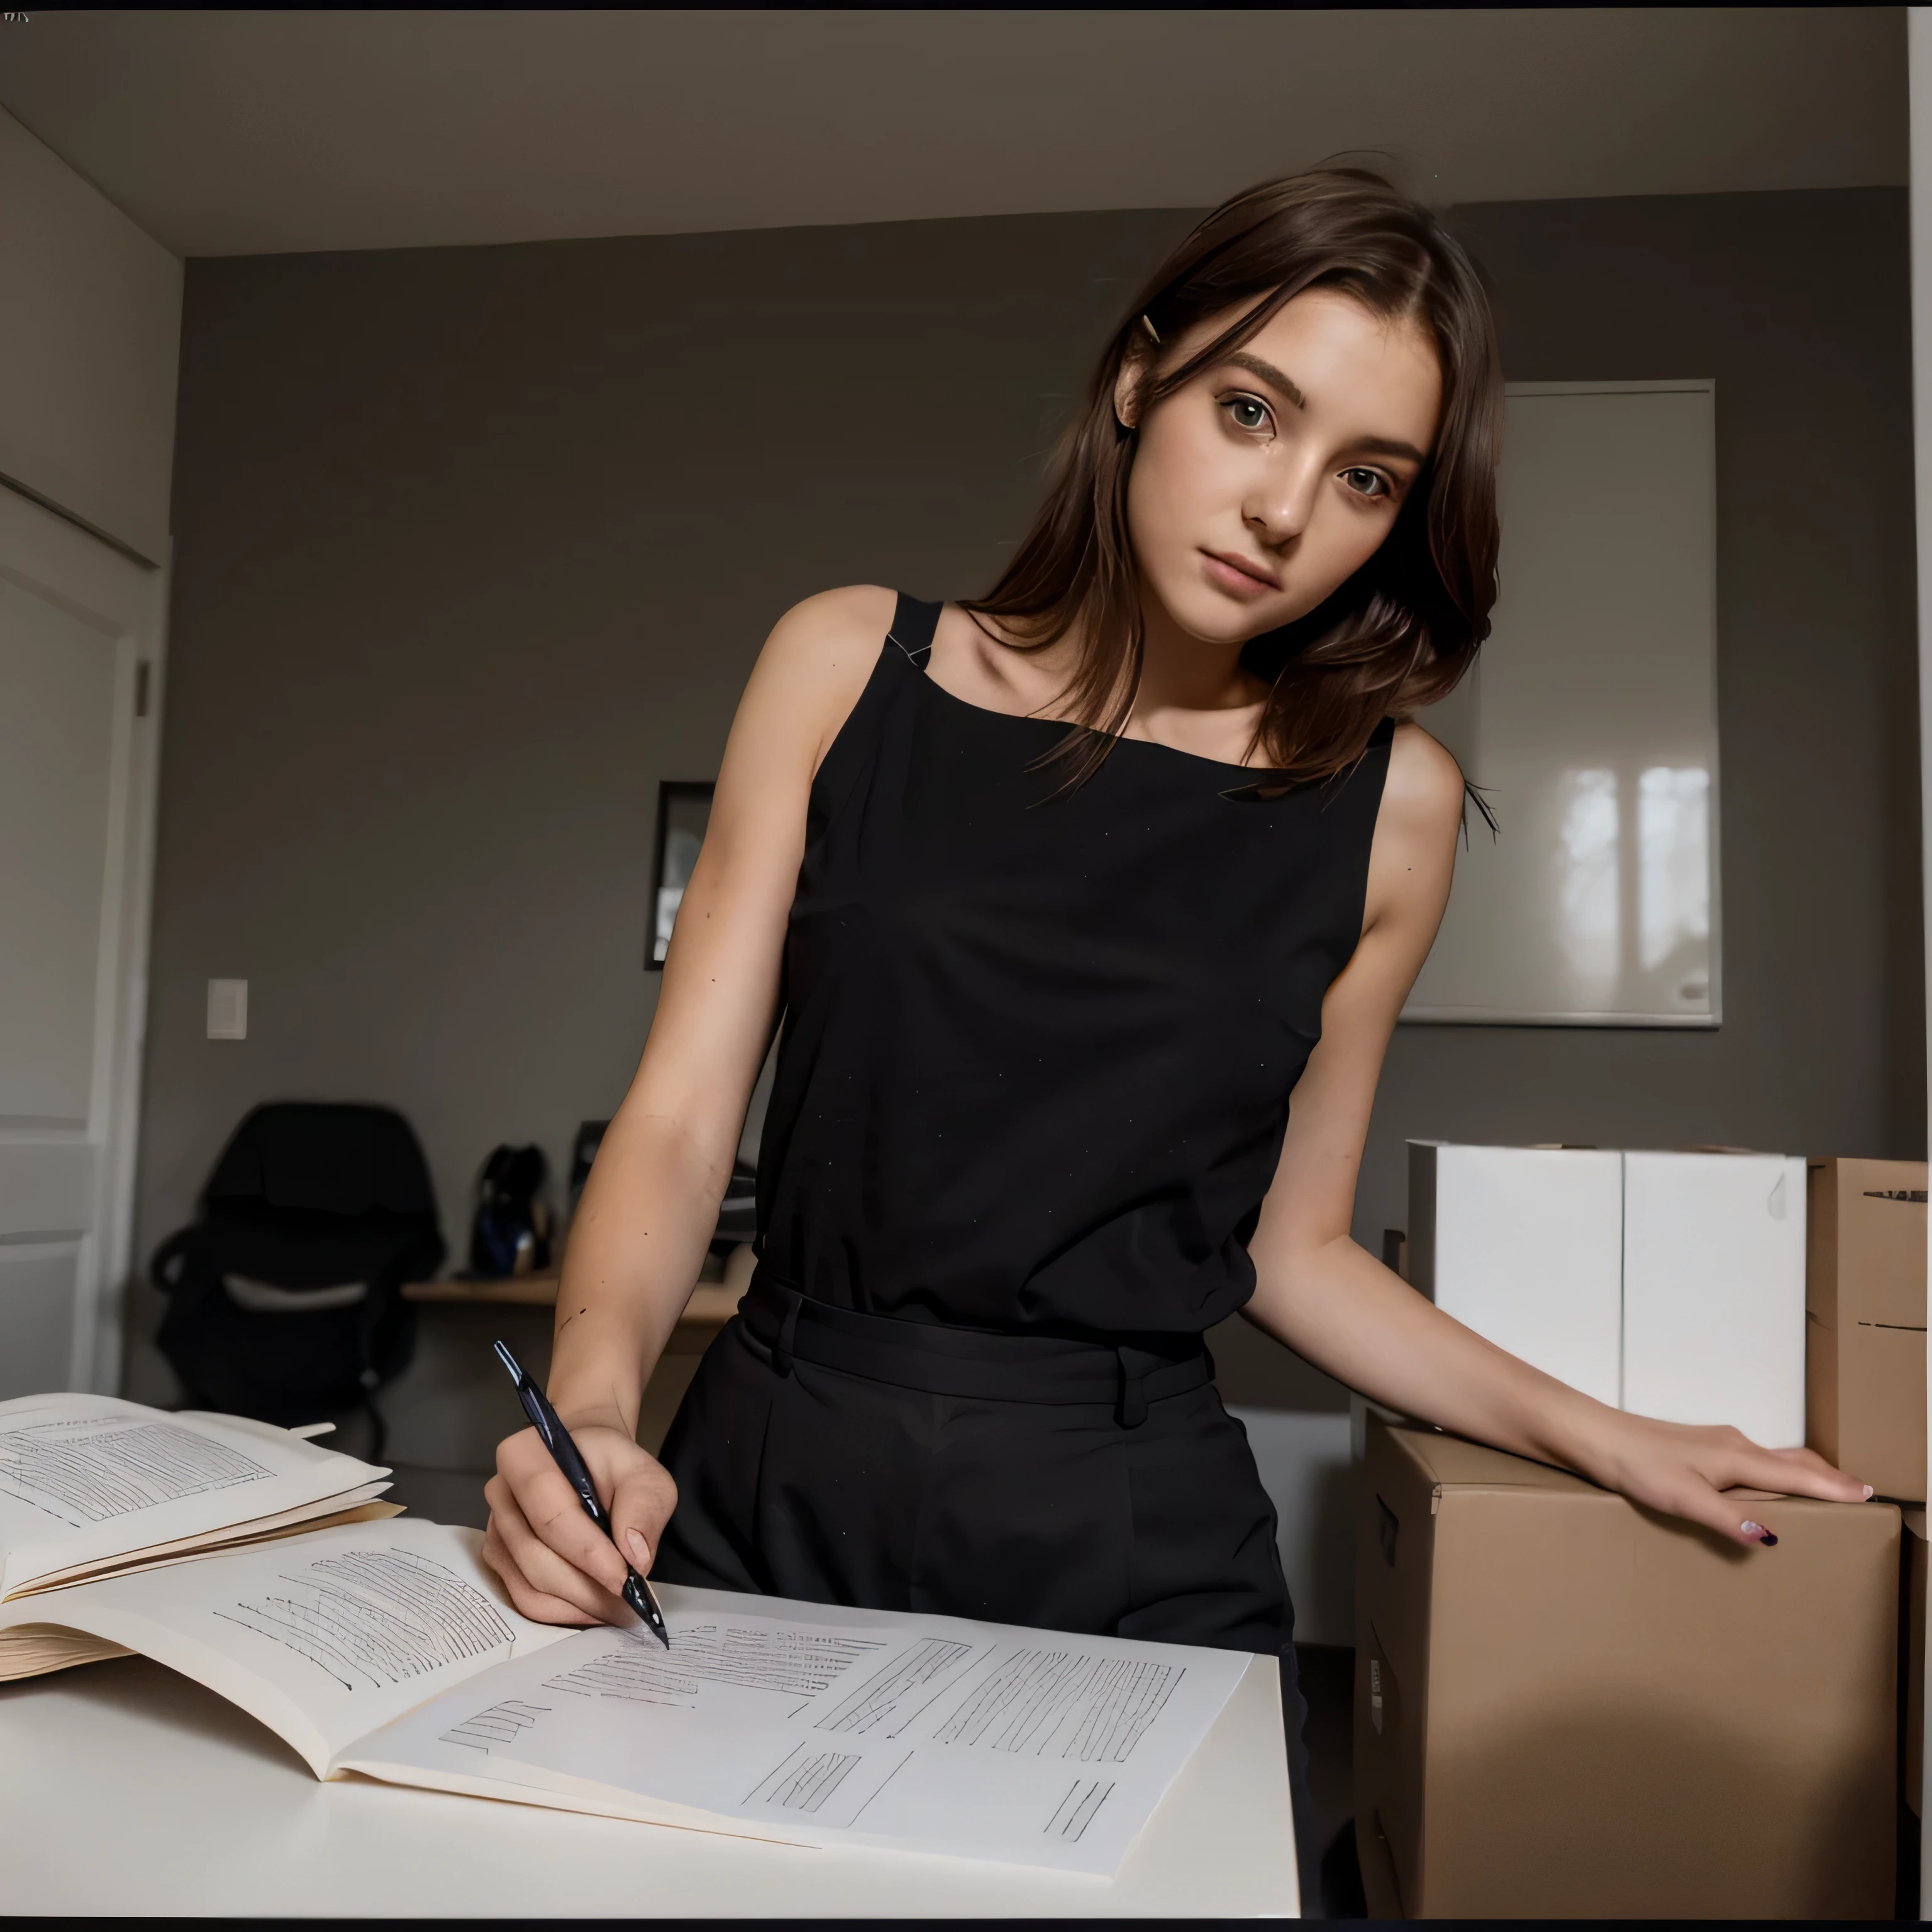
<point x="1089" y="907"/>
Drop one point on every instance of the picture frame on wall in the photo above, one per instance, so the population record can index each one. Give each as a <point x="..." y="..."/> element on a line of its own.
<point x="684" y="811"/>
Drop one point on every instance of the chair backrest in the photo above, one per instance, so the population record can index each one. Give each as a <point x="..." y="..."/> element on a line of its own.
<point x="308" y="1156"/>
<point x="285" y="1298"/>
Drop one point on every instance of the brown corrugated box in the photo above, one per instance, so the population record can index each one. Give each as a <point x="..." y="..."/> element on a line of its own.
<point x="1865" y="1321"/>
<point x="1569" y="1707"/>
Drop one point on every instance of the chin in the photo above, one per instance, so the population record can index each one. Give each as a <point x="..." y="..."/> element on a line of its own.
<point x="1215" y="618"/>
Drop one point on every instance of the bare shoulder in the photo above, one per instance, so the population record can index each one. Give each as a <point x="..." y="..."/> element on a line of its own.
<point x="829" y="640"/>
<point x="813" y="667"/>
<point x="1413" y="859"/>
<point x="1423" y="794"/>
<point x="828" y="632"/>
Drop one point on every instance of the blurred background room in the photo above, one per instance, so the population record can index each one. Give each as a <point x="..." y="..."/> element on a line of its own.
<point x="448" y="403"/>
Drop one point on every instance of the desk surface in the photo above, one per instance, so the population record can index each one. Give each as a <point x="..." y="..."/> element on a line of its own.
<point x="126" y="1789"/>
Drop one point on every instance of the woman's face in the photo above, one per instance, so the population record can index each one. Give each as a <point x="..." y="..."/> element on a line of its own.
<point x="1265" y="483"/>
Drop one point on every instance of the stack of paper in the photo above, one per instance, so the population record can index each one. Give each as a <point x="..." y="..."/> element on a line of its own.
<point x="92" y="1487"/>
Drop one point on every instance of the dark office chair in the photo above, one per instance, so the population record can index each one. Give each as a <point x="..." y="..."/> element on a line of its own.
<point x="285" y="1299"/>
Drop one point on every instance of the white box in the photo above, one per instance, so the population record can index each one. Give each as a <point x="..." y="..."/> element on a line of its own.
<point x="1714" y="1291"/>
<point x="1524" y="1245"/>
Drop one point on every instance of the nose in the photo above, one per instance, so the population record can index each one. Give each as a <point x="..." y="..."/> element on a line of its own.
<point x="1282" y="500"/>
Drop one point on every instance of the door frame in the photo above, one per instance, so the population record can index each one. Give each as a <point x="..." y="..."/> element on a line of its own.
<point x="101" y="1317"/>
<point x="106" y="1264"/>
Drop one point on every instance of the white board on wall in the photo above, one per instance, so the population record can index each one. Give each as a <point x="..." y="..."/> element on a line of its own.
<point x="1590" y="722"/>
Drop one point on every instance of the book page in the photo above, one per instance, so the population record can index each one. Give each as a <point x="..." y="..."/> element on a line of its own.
<point x="928" y="1734"/>
<point x="34" y="1650"/>
<point x="322" y="1637"/>
<point x="86" y="1478"/>
<point x="357" y="1505"/>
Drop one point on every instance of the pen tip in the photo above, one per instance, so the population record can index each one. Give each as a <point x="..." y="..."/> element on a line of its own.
<point x="509" y="1361"/>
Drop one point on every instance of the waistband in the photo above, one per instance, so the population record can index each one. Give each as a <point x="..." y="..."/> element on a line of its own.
<point x="969" y="1362"/>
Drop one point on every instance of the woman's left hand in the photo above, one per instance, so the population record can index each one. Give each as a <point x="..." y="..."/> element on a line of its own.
<point x="1684" y="1470"/>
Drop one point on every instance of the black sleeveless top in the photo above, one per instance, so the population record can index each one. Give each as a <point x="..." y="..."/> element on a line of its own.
<point x="1038" y="1044"/>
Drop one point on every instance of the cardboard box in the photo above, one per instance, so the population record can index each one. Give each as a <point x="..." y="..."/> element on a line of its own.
<point x="1714" y="1291"/>
<point x="1864" y="1319"/>
<point x="1568" y="1707"/>
<point x="1524" y="1245"/>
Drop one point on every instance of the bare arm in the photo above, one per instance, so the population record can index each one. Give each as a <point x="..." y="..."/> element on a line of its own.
<point x="1334" y="1304"/>
<point x="651" y="1204"/>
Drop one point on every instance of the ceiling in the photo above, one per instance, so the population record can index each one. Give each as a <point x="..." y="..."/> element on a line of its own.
<point x="248" y="133"/>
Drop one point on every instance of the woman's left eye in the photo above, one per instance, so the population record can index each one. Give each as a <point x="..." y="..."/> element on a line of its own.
<point x="1366" y="482"/>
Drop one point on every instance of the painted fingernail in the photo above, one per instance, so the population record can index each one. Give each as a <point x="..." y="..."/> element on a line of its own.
<point x="640" y="1550"/>
<point x="1868" y="1492"/>
<point x="1759" y="1533"/>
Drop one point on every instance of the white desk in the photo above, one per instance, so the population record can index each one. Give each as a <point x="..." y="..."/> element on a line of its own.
<point x="126" y="1789"/>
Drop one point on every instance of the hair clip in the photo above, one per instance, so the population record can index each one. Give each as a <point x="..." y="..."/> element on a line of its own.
<point x="1153" y="333"/>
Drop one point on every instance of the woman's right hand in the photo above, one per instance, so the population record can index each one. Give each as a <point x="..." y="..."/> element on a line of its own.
<point x="557" y="1565"/>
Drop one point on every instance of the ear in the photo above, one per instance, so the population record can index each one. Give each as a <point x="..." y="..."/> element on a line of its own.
<point x="1136" y="365"/>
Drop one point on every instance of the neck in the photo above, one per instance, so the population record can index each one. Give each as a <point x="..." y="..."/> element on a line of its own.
<point x="1184" y="677"/>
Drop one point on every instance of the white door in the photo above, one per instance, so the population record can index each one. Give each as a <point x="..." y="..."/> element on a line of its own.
<point x="80" y="660"/>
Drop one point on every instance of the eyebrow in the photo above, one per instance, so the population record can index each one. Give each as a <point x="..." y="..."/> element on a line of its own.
<point x="1369" y="445"/>
<point x="1270" y="375"/>
<point x="1380" y="445"/>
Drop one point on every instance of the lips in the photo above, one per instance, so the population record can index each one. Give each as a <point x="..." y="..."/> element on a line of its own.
<point x="1236" y="574"/>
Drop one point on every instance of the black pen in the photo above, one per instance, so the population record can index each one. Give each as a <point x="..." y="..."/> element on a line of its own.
<point x="543" y="1420"/>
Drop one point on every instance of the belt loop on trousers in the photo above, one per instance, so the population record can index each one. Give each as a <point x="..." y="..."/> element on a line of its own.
<point x="787" y="1331"/>
<point x="1131" y="1410"/>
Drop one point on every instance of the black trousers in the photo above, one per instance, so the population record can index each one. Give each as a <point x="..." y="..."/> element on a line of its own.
<point x="1102" y="1491"/>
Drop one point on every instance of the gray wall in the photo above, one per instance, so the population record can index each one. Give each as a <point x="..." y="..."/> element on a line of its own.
<point x="1797" y="304"/>
<point x="473" y="546"/>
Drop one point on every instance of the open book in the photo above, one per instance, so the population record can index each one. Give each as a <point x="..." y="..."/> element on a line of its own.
<point x="91" y="1486"/>
<point x="387" y="1650"/>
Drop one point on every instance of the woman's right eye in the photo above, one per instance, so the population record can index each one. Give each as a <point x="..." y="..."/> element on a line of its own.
<point x="1248" y="412"/>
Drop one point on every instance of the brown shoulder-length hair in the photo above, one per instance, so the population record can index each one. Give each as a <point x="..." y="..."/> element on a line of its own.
<point x="1401" y="631"/>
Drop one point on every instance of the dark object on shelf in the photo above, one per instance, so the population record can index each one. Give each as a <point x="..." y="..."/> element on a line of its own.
<point x="684" y="812"/>
<point x="511" y="1233"/>
<point x="738" y="1212"/>
<point x="284" y="1299"/>
<point x="584" y="1151"/>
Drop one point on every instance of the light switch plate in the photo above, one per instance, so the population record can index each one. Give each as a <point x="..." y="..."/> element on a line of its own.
<point x="228" y="1009"/>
